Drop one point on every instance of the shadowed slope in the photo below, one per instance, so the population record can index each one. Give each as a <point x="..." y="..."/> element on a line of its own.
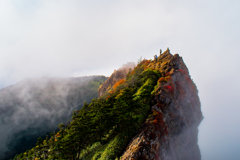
<point x="33" y="108"/>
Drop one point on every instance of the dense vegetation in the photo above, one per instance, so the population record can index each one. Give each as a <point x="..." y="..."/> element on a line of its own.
<point x="33" y="108"/>
<point x="103" y="128"/>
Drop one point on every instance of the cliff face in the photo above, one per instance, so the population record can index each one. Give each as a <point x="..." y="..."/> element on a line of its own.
<point x="150" y="113"/>
<point x="171" y="131"/>
<point x="116" y="76"/>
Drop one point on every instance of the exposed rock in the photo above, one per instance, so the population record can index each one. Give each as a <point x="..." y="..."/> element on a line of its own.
<point x="171" y="132"/>
<point x="115" y="77"/>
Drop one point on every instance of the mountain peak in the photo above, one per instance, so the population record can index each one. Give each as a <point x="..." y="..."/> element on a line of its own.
<point x="171" y="131"/>
<point x="151" y="111"/>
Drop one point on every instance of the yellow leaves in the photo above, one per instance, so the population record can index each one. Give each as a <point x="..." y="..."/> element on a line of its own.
<point x="119" y="94"/>
<point x="109" y="87"/>
<point x="58" y="134"/>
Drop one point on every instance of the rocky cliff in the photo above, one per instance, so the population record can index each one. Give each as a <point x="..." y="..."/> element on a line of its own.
<point x="171" y="130"/>
<point x="149" y="113"/>
<point x="116" y="76"/>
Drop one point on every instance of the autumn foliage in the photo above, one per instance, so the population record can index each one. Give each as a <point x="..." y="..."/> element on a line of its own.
<point x="159" y="122"/>
<point x="167" y="74"/>
<point x="145" y="63"/>
<point x="165" y="79"/>
<point x="169" y="88"/>
<point x="118" y="83"/>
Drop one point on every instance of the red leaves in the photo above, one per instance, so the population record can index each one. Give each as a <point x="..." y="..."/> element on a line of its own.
<point x="145" y="63"/>
<point x="169" y="88"/>
<point x="155" y="122"/>
<point x="168" y="74"/>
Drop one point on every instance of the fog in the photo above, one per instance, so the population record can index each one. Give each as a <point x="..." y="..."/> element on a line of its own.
<point x="76" y="38"/>
<point x="34" y="108"/>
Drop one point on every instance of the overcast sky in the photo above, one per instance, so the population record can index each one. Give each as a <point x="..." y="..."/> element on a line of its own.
<point x="76" y="38"/>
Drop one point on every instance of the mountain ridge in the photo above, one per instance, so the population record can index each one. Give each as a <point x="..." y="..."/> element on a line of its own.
<point x="152" y="112"/>
<point x="172" y="129"/>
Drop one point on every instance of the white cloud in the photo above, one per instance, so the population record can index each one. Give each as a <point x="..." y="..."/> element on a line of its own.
<point x="72" y="38"/>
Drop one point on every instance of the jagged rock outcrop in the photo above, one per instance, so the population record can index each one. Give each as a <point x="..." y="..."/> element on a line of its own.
<point x="171" y="131"/>
<point x="116" y="76"/>
<point x="157" y="99"/>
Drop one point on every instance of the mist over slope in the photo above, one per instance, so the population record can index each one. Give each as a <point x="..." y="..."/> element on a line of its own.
<point x="152" y="112"/>
<point x="34" y="108"/>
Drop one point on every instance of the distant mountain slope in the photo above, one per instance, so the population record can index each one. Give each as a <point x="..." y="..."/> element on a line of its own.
<point x="34" y="107"/>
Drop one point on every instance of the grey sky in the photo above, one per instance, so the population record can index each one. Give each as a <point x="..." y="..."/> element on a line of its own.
<point x="75" y="38"/>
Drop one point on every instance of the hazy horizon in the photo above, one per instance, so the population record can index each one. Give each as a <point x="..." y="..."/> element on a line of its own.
<point x="79" y="38"/>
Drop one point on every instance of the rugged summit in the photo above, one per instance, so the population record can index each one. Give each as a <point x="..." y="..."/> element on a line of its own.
<point x="171" y="131"/>
<point x="149" y="113"/>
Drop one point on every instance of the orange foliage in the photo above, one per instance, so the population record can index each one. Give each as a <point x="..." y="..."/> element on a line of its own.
<point x="111" y="92"/>
<point x="58" y="135"/>
<point x="167" y="74"/>
<point x="159" y="123"/>
<point x="145" y="63"/>
<point x="133" y="72"/>
<point x="115" y="86"/>
<point x="107" y="97"/>
<point x="118" y="83"/>
<point x="165" y="79"/>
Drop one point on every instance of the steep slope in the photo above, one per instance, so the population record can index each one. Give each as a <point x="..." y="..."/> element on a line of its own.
<point x="117" y="75"/>
<point x="152" y="112"/>
<point x="171" y="131"/>
<point x="34" y="107"/>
